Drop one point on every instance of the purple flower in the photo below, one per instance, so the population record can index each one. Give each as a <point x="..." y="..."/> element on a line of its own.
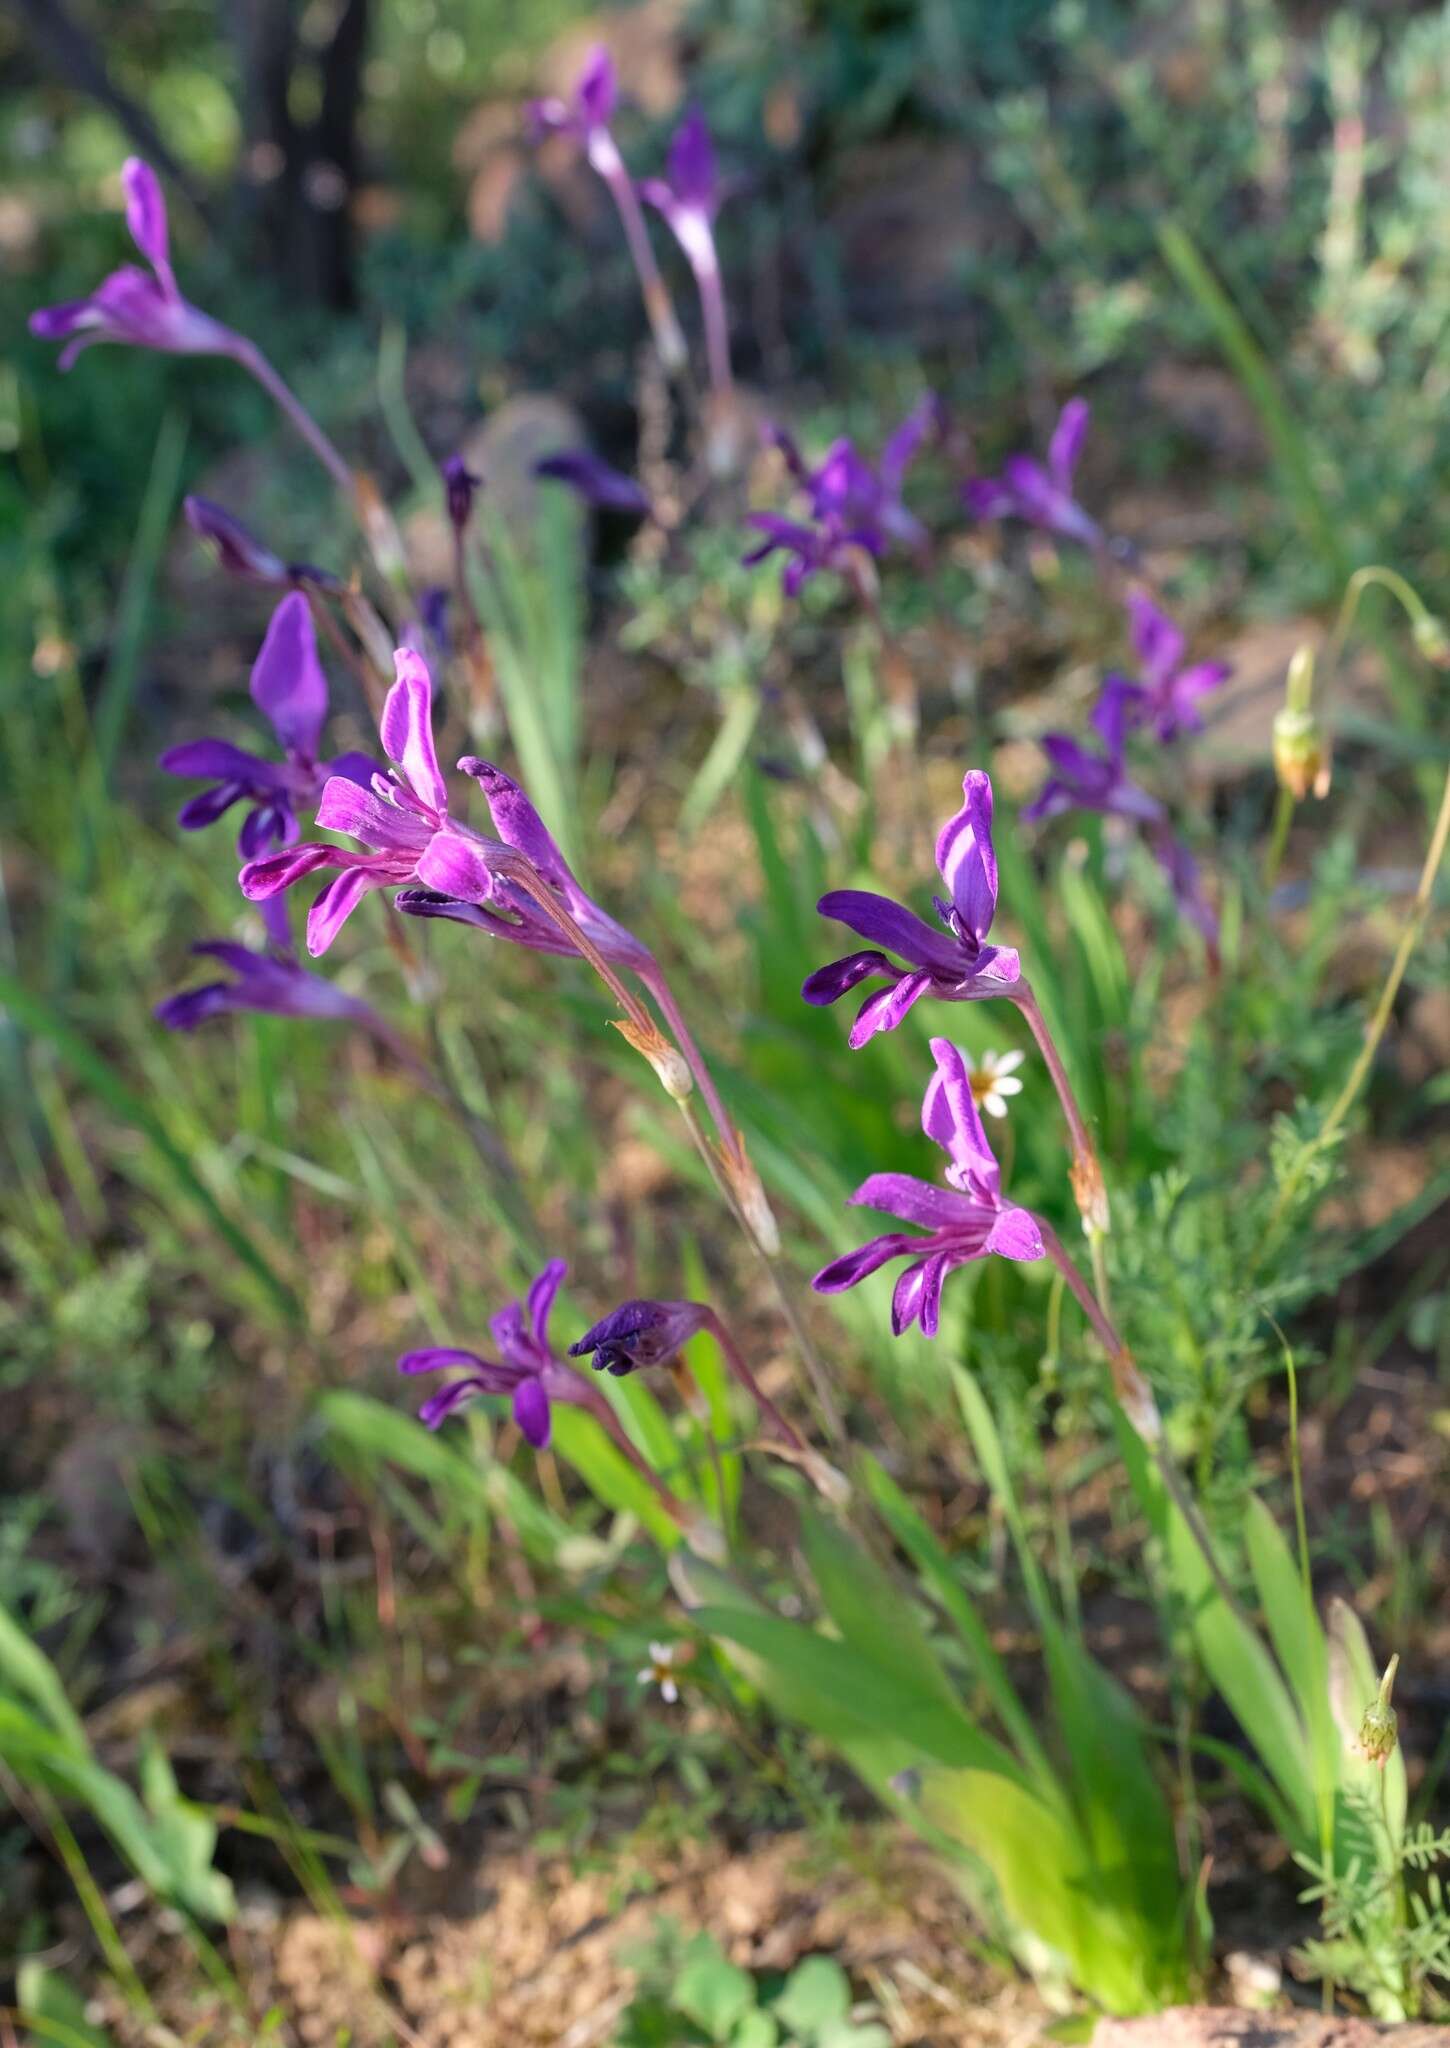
<point x="586" y="115"/>
<point x="525" y="1370"/>
<point x="397" y="818"/>
<point x="689" y="198"/>
<point x="955" y="964"/>
<point x="290" y="689"/>
<point x="1185" y="879"/>
<point x="641" y="1333"/>
<point x="1041" y="495"/>
<point x="589" y="107"/>
<point x="275" y="985"/>
<point x="462" y="881"/>
<point x="1084" y="780"/>
<point x="1168" y="698"/>
<point x="130" y="306"/>
<point x="853" y="506"/>
<point x="241" y="554"/>
<point x="460" y="485"/>
<point x="964" y="1221"/>
<point x="595" y="482"/>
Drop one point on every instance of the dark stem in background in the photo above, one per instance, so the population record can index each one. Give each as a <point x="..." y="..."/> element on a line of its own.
<point x="299" y="179"/>
<point x="81" y="63"/>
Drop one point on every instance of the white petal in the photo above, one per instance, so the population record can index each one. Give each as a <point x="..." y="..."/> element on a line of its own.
<point x="994" y="1105"/>
<point x="647" y="1676"/>
<point x="661" y="1653"/>
<point x="1007" y="1085"/>
<point x="669" y="1691"/>
<point x="1009" y="1062"/>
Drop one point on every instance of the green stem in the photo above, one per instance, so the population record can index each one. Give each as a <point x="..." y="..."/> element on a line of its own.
<point x="1378" y="1024"/>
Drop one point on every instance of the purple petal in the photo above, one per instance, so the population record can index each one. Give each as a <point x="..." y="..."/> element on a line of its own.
<point x="1158" y="643"/>
<point x="531" y="1411"/>
<point x="517" y="823"/>
<point x="219" y="759"/>
<point x="858" y="1265"/>
<point x="456" y="867"/>
<point x="595" y="481"/>
<point x="950" y="1118"/>
<point x="828" y="984"/>
<point x="194" y="1006"/>
<point x="336" y="905"/>
<point x="987" y="497"/>
<point x="438" y="1407"/>
<point x="891" y="925"/>
<point x="238" y="550"/>
<point x="965" y="856"/>
<point x="926" y="417"/>
<point x="345" y="807"/>
<point x="260" y="879"/>
<point x="1015" y="1235"/>
<point x="269" y="825"/>
<point x="916" y="1201"/>
<point x="406" y="729"/>
<point x="691" y="164"/>
<point x="358" y="768"/>
<point x="146" y="214"/>
<point x="916" y="1297"/>
<point x="885" y="1010"/>
<point x="596" y="92"/>
<point x="1065" y="447"/>
<point x="288" y="686"/>
<point x="1118" y="708"/>
<point x="200" y="811"/>
<point x="542" y="1295"/>
<point x="439" y="1358"/>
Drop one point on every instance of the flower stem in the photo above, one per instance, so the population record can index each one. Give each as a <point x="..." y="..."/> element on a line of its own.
<point x="717" y="326"/>
<point x="1135" y="1398"/>
<point x="1278" y="837"/>
<point x="1378" y="1024"/>
<point x="286" y="400"/>
<point x="736" y="1361"/>
<point x="604" y="1413"/>
<point x="819" y="1386"/>
<point x="1087" y="1174"/>
<point x="659" y="307"/>
<point x="654" y="980"/>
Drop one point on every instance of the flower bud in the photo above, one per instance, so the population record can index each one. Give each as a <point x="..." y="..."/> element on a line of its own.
<point x="1379" y="1730"/>
<point x="1432" y="638"/>
<point x="667" y="1060"/>
<point x="1135" y="1397"/>
<point x="1091" y="1194"/>
<point x="1301" y="759"/>
<point x="754" y="1207"/>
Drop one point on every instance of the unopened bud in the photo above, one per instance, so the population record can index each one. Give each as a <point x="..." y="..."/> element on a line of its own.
<point x="1091" y="1194"/>
<point x="1135" y="1398"/>
<point x="382" y="532"/>
<point x="1301" y="759"/>
<point x="667" y="1060"/>
<point x="1432" y="638"/>
<point x="745" y="1186"/>
<point x="1379" y="1730"/>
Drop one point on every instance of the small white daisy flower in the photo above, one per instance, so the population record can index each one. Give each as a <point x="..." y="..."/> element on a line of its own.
<point x="993" y="1079"/>
<point x="660" y="1671"/>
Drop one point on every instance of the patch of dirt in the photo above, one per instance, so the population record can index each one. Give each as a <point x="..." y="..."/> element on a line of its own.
<point x="526" y="1955"/>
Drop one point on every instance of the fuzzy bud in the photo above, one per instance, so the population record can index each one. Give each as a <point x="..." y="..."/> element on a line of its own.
<point x="1091" y="1194"/>
<point x="1135" y="1397"/>
<point x="1431" y="638"/>
<point x="1379" y="1730"/>
<point x="666" y="1059"/>
<point x="754" y="1207"/>
<point x="1301" y="759"/>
